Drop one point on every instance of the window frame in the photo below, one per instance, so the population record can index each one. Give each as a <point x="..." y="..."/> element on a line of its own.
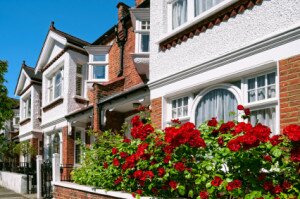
<point x="26" y="112"/>
<point x="139" y="32"/>
<point x="81" y="76"/>
<point x="169" y="101"/>
<point x="83" y="139"/>
<point x="52" y="87"/>
<point x="93" y="64"/>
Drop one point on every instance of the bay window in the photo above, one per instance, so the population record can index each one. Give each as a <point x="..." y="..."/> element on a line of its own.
<point x="98" y="67"/>
<point x="55" y="86"/>
<point x="99" y="72"/>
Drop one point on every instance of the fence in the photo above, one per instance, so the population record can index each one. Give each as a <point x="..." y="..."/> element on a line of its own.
<point x="65" y="172"/>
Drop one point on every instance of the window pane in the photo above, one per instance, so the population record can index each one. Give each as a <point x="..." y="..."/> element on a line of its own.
<point x="261" y="81"/>
<point x="179" y="112"/>
<point x="179" y="102"/>
<point x="271" y="91"/>
<point x="216" y="103"/>
<point x="185" y="111"/>
<point x="251" y="96"/>
<point x="79" y="69"/>
<point x="173" y="103"/>
<point x="271" y="78"/>
<point x="145" y="25"/>
<point x="266" y="117"/>
<point x="179" y="13"/>
<point x="251" y="83"/>
<point x="261" y="94"/>
<point x="57" y="90"/>
<point x="174" y="113"/>
<point x="185" y="101"/>
<point x="99" y="72"/>
<point x="203" y="5"/>
<point x="99" y="57"/>
<point x="145" y="42"/>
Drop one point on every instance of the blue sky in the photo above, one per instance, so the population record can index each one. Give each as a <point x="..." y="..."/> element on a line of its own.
<point x="25" y="23"/>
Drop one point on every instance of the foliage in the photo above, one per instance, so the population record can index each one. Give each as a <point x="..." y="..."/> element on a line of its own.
<point x="25" y="148"/>
<point x="6" y="148"/>
<point x="6" y="103"/>
<point x="217" y="160"/>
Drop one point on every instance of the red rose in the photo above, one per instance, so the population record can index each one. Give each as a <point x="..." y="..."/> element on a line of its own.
<point x="262" y="176"/>
<point x="179" y="166"/>
<point x="262" y="132"/>
<point x="167" y="159"/>
<point x="221" y="141"/>
<point x="204" y="195"/>
<point x="136" y="121"/>
<point x="275" y="140"/>
<point x="148" y="174"/>
<point x="213" y="122"/>
<point x="176" y="121"/>
<point x="123" y="154"/>
<point x="116" y="162"/>
<point x="234" y="145"/>
<point x="247" y="111"/>
<point x="234" y="185"/>
<point x="286" y="185"/>
<point x="240" y="107"/>
<point x="293" y="132"/>
<point x="277" y="189"/>
<point x="173" y="184"/>
<point x="139" y="191"/>
<point x="217" y="181"/>
<point x="268" y="186"/>
<point x="105" y="165"/>
<point x="126" y="140"/>
<point x="268" y="158"/>
<point x="114" y="151"/>
<point x="138" y="174"/>
<point x="161" y="172"/>
<point x="118" y="180"/>
<point x="295" y="154"/>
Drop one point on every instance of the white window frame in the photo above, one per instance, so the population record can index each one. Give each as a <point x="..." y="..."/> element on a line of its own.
<point x="170" y="108"/>
<point x="93" y="64"/>
<point x="191" y="19"/>
<point x="25" y="104"/>
<point x="51" y="85"/>
<point x="139" y="32"/>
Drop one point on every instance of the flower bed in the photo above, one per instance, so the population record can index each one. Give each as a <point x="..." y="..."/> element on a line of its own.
<point x="216" y="160"/>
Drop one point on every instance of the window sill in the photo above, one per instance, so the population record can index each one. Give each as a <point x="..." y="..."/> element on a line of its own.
<point x="25" y="121"/>
<point x="262" y="103"/>
<point x="53" y="104"/>
<point x="97" y="81"/>
<point x="180" y="119"/>
<point x="80" y="99"/>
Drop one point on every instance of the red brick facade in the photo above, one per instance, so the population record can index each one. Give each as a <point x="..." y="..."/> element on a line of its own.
<point x="156" y="112"/>
<point x="289" y="77"/>
<point x="68" y="147"/>
<point x="66" y="193"/>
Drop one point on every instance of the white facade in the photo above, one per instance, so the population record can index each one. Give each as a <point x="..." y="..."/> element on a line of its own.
<point x="247" y="45"/>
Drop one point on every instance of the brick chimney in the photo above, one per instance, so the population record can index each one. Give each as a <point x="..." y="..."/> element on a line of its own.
<point x="138" y="2"/>
<point x="123" y="9"/>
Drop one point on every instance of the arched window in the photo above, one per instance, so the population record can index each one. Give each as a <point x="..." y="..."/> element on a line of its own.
<point x="217" y="103"/>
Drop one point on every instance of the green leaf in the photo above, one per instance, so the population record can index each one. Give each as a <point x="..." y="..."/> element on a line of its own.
<point x="181" y="190"/>
<point x="191" y="193"/>
<point x="277" y="152"/>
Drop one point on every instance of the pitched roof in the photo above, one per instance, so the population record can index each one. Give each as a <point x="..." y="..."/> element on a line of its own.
<point x="30" y="72"/>
<point x="71" y="39"/>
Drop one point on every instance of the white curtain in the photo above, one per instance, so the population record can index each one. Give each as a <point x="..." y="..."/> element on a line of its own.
<point x="203" y="5"/>
<point x="266" y="117"/>
<point x="179" y="12"/>
<point x="217" y="103"/>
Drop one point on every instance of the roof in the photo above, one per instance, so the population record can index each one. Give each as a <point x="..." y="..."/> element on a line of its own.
<point x="144" y="4"/>
<point x="31" y="73"/>
<point x="103" y="39"/>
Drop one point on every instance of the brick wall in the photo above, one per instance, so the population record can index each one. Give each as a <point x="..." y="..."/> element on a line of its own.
<point x="289" y="77"/>
<point x="156" y="112"/>
<point x="66" y="193"/>
<point x="68" y="147"/>
<point x="35" y="143"/>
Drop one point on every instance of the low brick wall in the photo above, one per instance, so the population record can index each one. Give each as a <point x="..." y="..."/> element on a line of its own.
<point x="66" y="190"/>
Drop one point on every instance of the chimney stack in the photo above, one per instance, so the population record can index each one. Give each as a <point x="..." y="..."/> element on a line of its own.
<point x="138" y="2"/>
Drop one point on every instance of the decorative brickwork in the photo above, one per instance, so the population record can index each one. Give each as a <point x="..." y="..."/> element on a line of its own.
<point x="289" y="77"/>
<point x="156" y="112"/>
<point x="66" y="193"/>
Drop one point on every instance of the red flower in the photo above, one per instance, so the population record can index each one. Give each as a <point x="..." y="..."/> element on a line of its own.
<point x="176" y="121"/>
<point x="123" y="154"/>
<point x="179" y="166"/>
<point x="105" y="165"/>
<point x="138" y="174"/>
<point x="277" y="189"/>
<point x="234" y="185"/>
<point x="148" y="174"/>
<point x="167" y="159"/>
<point x="118" y="180"/>
<point x="286" y="185"/>
<point x="262" y="176"/>
<point x="217" y="181"/>
<point x="240" y="107"/>
<point x="114" y="151"/>
<point x="268" y="186"/>
<point x="247" y="111"/>
<point x="213" y="122"/>
<point x="276" y="139"/>
<point x="173" y="184"/>
<point x="126" y="140"/>
<point x="262" y="132"/>
<point x="268" y="158"/>
<point x="139" y="191"/>
<point x="161" y="172"/>
<point x="221" y="141"/>
<point x="154" y="190"/>
<point x="116" y="162"/>
<point x="204" y="195"/>
<point x="295" y="154"/>
<point x="234" y="145"/>
<point x="293" y="132"/>
<point x="136" y="121"/>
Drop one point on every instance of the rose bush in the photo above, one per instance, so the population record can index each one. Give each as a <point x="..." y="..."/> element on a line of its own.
<point x="216" y="160"/>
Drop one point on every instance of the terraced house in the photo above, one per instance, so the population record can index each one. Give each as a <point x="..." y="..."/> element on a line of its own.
<point x="208" y="56"/>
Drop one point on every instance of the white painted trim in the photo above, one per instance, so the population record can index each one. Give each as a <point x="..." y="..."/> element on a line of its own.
<point x="89" y="189"/>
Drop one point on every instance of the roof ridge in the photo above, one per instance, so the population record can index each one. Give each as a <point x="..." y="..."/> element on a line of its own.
<point x="67" y="34"/>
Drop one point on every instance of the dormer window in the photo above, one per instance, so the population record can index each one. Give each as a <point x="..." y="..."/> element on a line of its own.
<point x="55" y="85"/>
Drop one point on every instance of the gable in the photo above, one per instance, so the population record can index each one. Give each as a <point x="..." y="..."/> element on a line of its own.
<point x="55" y="49"/>
<point x="23" y="82"/>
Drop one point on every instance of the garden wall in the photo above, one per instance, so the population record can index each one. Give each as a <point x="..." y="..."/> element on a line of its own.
<point x="14" y="181"/>
<point x="66" y="190"/>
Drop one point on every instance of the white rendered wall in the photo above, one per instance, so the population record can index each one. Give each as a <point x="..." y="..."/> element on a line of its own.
<point x="36" y="109"/>
<point x="56" y="49"/>
<point x="237" y="32"/>
<point x="14" y="181"/>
